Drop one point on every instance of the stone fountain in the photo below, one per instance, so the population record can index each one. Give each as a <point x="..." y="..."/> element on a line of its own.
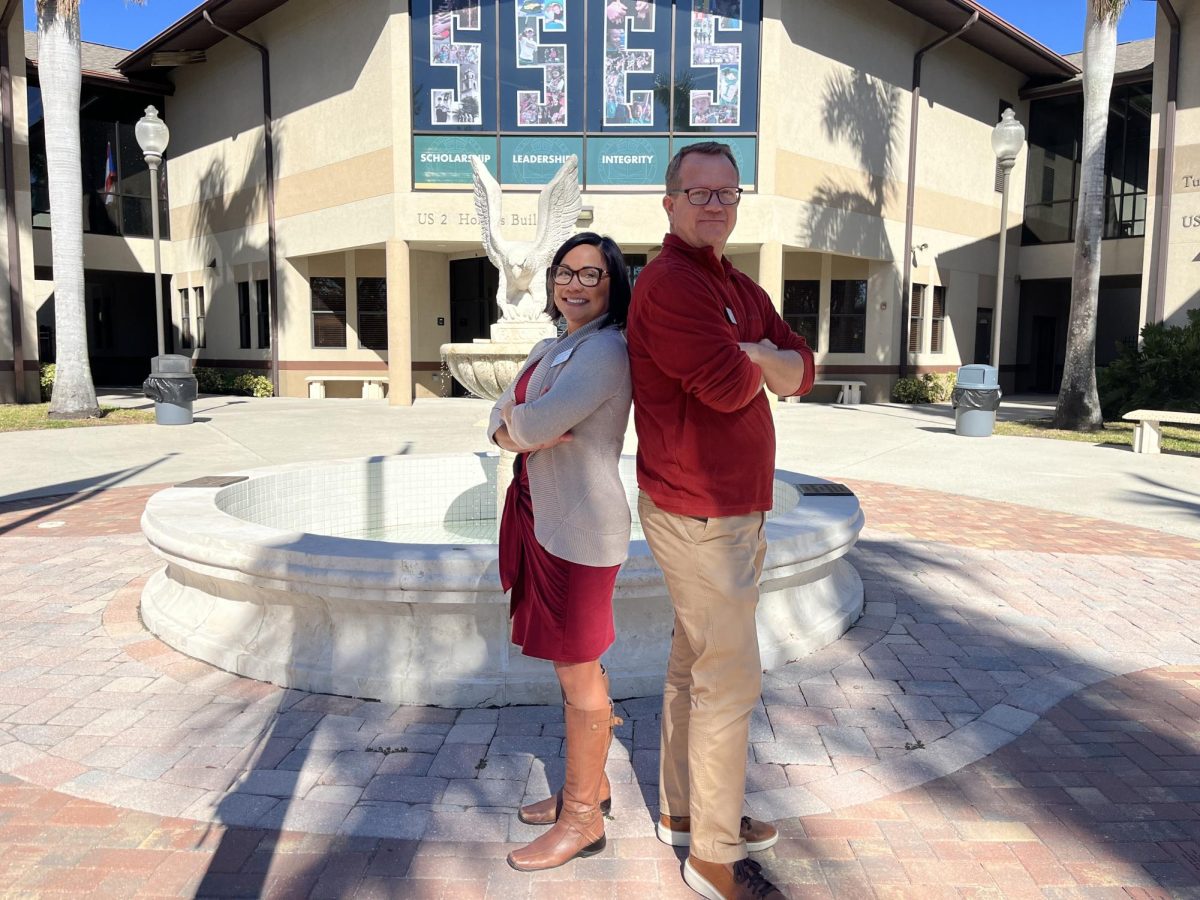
<point x="487" y="367"/>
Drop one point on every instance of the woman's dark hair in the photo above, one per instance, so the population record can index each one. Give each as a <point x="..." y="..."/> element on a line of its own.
<point x="618" y="276"/>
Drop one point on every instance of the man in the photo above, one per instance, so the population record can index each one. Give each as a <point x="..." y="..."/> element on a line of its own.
<point x="703" y="341"/>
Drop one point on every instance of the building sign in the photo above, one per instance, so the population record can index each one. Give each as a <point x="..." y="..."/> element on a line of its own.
<point x="443" y="160"/>
<point x="629" y="161"/>
<point x="535" y="160"/>
<point x="582" y="69"/>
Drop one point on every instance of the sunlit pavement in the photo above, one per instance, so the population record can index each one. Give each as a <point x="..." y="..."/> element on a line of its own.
<point x="1017" y="714"/>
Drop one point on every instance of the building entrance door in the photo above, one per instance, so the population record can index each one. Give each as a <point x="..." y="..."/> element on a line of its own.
<point x="1044" y="333"/>
<point x="473" y="309"/>
<point x="983" y="336"/>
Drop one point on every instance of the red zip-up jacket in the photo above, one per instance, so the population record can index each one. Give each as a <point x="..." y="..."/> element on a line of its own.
<point x="706" y="441"/>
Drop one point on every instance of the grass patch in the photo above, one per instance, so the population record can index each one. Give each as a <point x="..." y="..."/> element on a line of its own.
<point x="35" y="416"/>
<point x="1176" y="439"/>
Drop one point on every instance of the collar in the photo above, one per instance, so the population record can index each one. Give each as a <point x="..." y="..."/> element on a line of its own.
<point x="702" y="256"/>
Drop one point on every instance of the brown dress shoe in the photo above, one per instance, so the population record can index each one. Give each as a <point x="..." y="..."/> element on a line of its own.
<point x="742" y="880"/>
<point x="579" y="830"/>
<point x="677" y="831"/>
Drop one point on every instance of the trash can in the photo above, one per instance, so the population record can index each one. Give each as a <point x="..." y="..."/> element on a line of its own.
<point x="975" y="399"/>
<point x="172" y="387"/>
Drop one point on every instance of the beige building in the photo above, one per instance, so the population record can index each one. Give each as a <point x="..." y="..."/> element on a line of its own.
<point x="343" y="241"/>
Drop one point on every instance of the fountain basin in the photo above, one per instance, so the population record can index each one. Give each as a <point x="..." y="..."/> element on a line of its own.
<point x="378" y="578"/>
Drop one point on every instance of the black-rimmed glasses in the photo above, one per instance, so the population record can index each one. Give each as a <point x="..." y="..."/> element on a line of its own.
<point x="699" y="196"/>
<point x="589" y="276"/>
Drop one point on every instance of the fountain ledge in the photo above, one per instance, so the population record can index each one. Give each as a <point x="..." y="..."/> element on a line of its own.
<point x="428" y="623"/>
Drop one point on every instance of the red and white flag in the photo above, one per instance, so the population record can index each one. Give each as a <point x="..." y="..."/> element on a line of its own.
<point x="110" y="178"/>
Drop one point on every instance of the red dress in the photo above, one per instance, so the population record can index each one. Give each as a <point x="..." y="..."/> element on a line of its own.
<point x="561" y="611"/>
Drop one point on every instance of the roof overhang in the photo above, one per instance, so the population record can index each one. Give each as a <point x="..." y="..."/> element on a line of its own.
<point x="995" y="37"/>
<point x="192" y="33"/>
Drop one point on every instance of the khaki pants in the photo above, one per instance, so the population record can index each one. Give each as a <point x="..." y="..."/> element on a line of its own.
<point x="714" y="678"/>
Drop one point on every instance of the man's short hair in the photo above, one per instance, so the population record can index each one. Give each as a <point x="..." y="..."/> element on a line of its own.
<point x="708" y="148"/>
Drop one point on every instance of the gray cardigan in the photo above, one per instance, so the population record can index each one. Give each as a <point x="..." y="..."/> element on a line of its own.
<point x="580" y="383"/>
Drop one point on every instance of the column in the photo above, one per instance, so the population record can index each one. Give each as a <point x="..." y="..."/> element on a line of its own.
<point x="399" y="313"/>
<point x="770" y="278"/>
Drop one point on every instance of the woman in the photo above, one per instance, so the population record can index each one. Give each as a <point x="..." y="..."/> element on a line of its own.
<point x="565" y="527"/>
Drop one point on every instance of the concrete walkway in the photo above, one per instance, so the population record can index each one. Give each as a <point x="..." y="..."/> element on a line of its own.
<point x="878" y="442"/>
<point x="1017" y="713"/>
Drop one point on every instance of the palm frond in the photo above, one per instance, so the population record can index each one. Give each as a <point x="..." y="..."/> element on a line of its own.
<point x="1109" y="10"/>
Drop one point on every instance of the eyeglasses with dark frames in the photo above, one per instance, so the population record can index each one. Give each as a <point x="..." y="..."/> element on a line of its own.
<point x="589" y="276"/>
<point x="728" y="196"/>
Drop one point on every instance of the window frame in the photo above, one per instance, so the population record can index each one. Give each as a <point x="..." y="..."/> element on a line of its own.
<point x="836" y="317"/>
<point x="245" y="339"/>
<point x="358" y="312"/>
<point x="262" y="299"/>
<point x="185" y="320"/>
<point x="314" y="313"/>
<point x="792" y="318"/>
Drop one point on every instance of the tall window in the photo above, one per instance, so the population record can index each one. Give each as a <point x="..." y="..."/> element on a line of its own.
<point x="116" y="179"/>
<point x="328" y="312"/>
<point x="243" y="289"/>
<point x="185" y="320"/>
<point x="201" y="334"/>
<point x="1052" y="179"/>
<point x="801" y="308"/>
<point x="263" y="298"/>
<point x="915" y="317"/>
<point x="848" y="316"/>
<point x="372" y="313"/>
<point x="937" y="321"/>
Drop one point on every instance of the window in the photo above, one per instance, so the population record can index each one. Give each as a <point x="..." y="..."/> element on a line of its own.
<point x="243" y="289"/>
<point x="848" y="316"/>
<point x="185" y="320"/>
<point x="201" y="335"/>
<point x="801" y="308"/>
<point x="372" y="313"/>
<point x="937" y="321"/>
<point x="328" y="311"/>
<point x="1052" y="179"/>
<point x="264" y="313"/>
<point x="116" y="179"/>
<point x="916" y="305"/>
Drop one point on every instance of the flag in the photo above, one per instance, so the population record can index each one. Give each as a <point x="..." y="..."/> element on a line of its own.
<point x="110" y="178"/>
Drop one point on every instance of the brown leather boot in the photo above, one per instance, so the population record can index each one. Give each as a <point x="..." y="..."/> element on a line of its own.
<point x="545" y="812"/>
<point x="742" y="880"/>
<point x="579" y="830"/>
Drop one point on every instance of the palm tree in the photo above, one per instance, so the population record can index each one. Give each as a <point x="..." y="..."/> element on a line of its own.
<point x="74" y="395"/>
<point x="1078" y="401"/>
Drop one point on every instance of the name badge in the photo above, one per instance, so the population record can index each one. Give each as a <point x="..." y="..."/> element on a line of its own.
<point x="729" y="315"/>
<point x="562" y="357"/>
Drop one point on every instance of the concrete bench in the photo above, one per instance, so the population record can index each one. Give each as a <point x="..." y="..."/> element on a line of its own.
<point x="848" y="391"/>
<point x="372" y="385"/>
<point x="1147" y="434"/>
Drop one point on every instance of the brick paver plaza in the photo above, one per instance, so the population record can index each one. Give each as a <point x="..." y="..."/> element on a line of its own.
<point x="1015" y="715"/>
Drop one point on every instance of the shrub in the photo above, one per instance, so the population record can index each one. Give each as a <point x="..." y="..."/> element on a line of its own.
<point x="253" y="385"/>
<point x="927" y="388"/>
<point x="47" y="380"/>
<point x="1162" y="373"/>
<point x="210" y="381"/>
<point x="224" y="381"/>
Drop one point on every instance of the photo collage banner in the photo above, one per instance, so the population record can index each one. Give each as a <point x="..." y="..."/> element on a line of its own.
<point x="619" y="83"/>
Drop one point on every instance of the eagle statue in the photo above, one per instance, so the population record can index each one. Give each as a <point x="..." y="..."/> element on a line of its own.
<point x="523" y="264"/>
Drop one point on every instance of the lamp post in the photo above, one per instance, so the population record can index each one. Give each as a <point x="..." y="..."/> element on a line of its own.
<point x="152" y="136"/>
<point x="1008" y="137"/>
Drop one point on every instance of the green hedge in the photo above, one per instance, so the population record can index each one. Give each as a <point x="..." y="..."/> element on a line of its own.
<point x="226" y="381"/>
<point x="927" y="388"/>
<point x="1162" y="373"/>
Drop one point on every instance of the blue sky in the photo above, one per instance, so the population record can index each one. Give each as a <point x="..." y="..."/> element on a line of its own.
<point x="1056" y="23"/>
